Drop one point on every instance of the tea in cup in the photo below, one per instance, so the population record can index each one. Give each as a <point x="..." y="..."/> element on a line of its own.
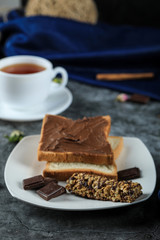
<point x="26" y="80"/>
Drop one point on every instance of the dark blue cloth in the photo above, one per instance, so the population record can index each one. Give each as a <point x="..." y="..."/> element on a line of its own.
<point x="85" y="50"/>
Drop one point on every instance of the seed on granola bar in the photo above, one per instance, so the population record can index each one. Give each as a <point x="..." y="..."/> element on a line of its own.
<point x="101" y="188"/>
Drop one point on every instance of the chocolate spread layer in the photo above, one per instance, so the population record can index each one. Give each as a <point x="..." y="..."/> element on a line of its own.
<point x="85" y="135"/>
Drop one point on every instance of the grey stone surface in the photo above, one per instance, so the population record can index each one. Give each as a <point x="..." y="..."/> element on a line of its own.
<point x="22" y="221"/>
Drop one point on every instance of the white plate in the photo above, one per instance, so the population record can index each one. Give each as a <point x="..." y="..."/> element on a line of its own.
<point x="54" y="104"/>
<point x="22" y="163"/>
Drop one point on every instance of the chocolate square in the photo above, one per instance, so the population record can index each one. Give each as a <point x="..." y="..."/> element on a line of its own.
<point x="130" y="173"/>
<point x="33" y="182"/>
<point x="51" y="190"/>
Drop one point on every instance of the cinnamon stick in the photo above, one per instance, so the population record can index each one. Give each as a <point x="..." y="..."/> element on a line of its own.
<point x="123" y="76"/>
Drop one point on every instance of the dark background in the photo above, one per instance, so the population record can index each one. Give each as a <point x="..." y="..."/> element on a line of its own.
<point x="131" y="12"/>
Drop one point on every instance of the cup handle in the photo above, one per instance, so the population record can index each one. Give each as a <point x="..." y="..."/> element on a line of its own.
<point x="64" y="74"/>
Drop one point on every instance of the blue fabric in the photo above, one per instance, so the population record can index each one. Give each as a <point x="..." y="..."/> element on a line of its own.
<point x="85" y="50"/>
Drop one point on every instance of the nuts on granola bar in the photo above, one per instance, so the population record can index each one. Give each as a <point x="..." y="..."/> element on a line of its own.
<point x="101" y="188"/>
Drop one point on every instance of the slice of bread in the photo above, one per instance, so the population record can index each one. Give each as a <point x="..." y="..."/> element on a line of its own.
<point x="62" y="171"/>
<point x="83" y="140"/>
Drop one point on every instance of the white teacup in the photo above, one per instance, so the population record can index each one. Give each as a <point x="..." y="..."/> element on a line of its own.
<point x="20" y="91"/>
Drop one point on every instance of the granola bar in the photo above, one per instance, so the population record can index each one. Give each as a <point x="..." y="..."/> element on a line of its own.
<point x="101" y="188"/>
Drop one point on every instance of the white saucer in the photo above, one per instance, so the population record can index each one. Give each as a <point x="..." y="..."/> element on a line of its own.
<point x="54" y="104"/>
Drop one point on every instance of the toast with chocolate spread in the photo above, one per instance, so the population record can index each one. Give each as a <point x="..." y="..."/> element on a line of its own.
<point x="64" y="140"/>
<point x="63" y="170"/>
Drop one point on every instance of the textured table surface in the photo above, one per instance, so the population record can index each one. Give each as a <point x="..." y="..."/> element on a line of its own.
<point x="19" y="220"/>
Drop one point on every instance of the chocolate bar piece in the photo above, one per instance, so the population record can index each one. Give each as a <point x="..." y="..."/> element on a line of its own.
<point x="33" y="182"/>
<point x="49" y="179"/>
<point x="51" y="190"/>
<point x="139" y="98"/>
<point x="127" y="174"/>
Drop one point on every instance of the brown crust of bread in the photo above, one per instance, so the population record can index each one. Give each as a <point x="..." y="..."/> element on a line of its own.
<point x="50" y="156"/>
<point x="63" y="175"/>
<point x="76" y="157"/>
